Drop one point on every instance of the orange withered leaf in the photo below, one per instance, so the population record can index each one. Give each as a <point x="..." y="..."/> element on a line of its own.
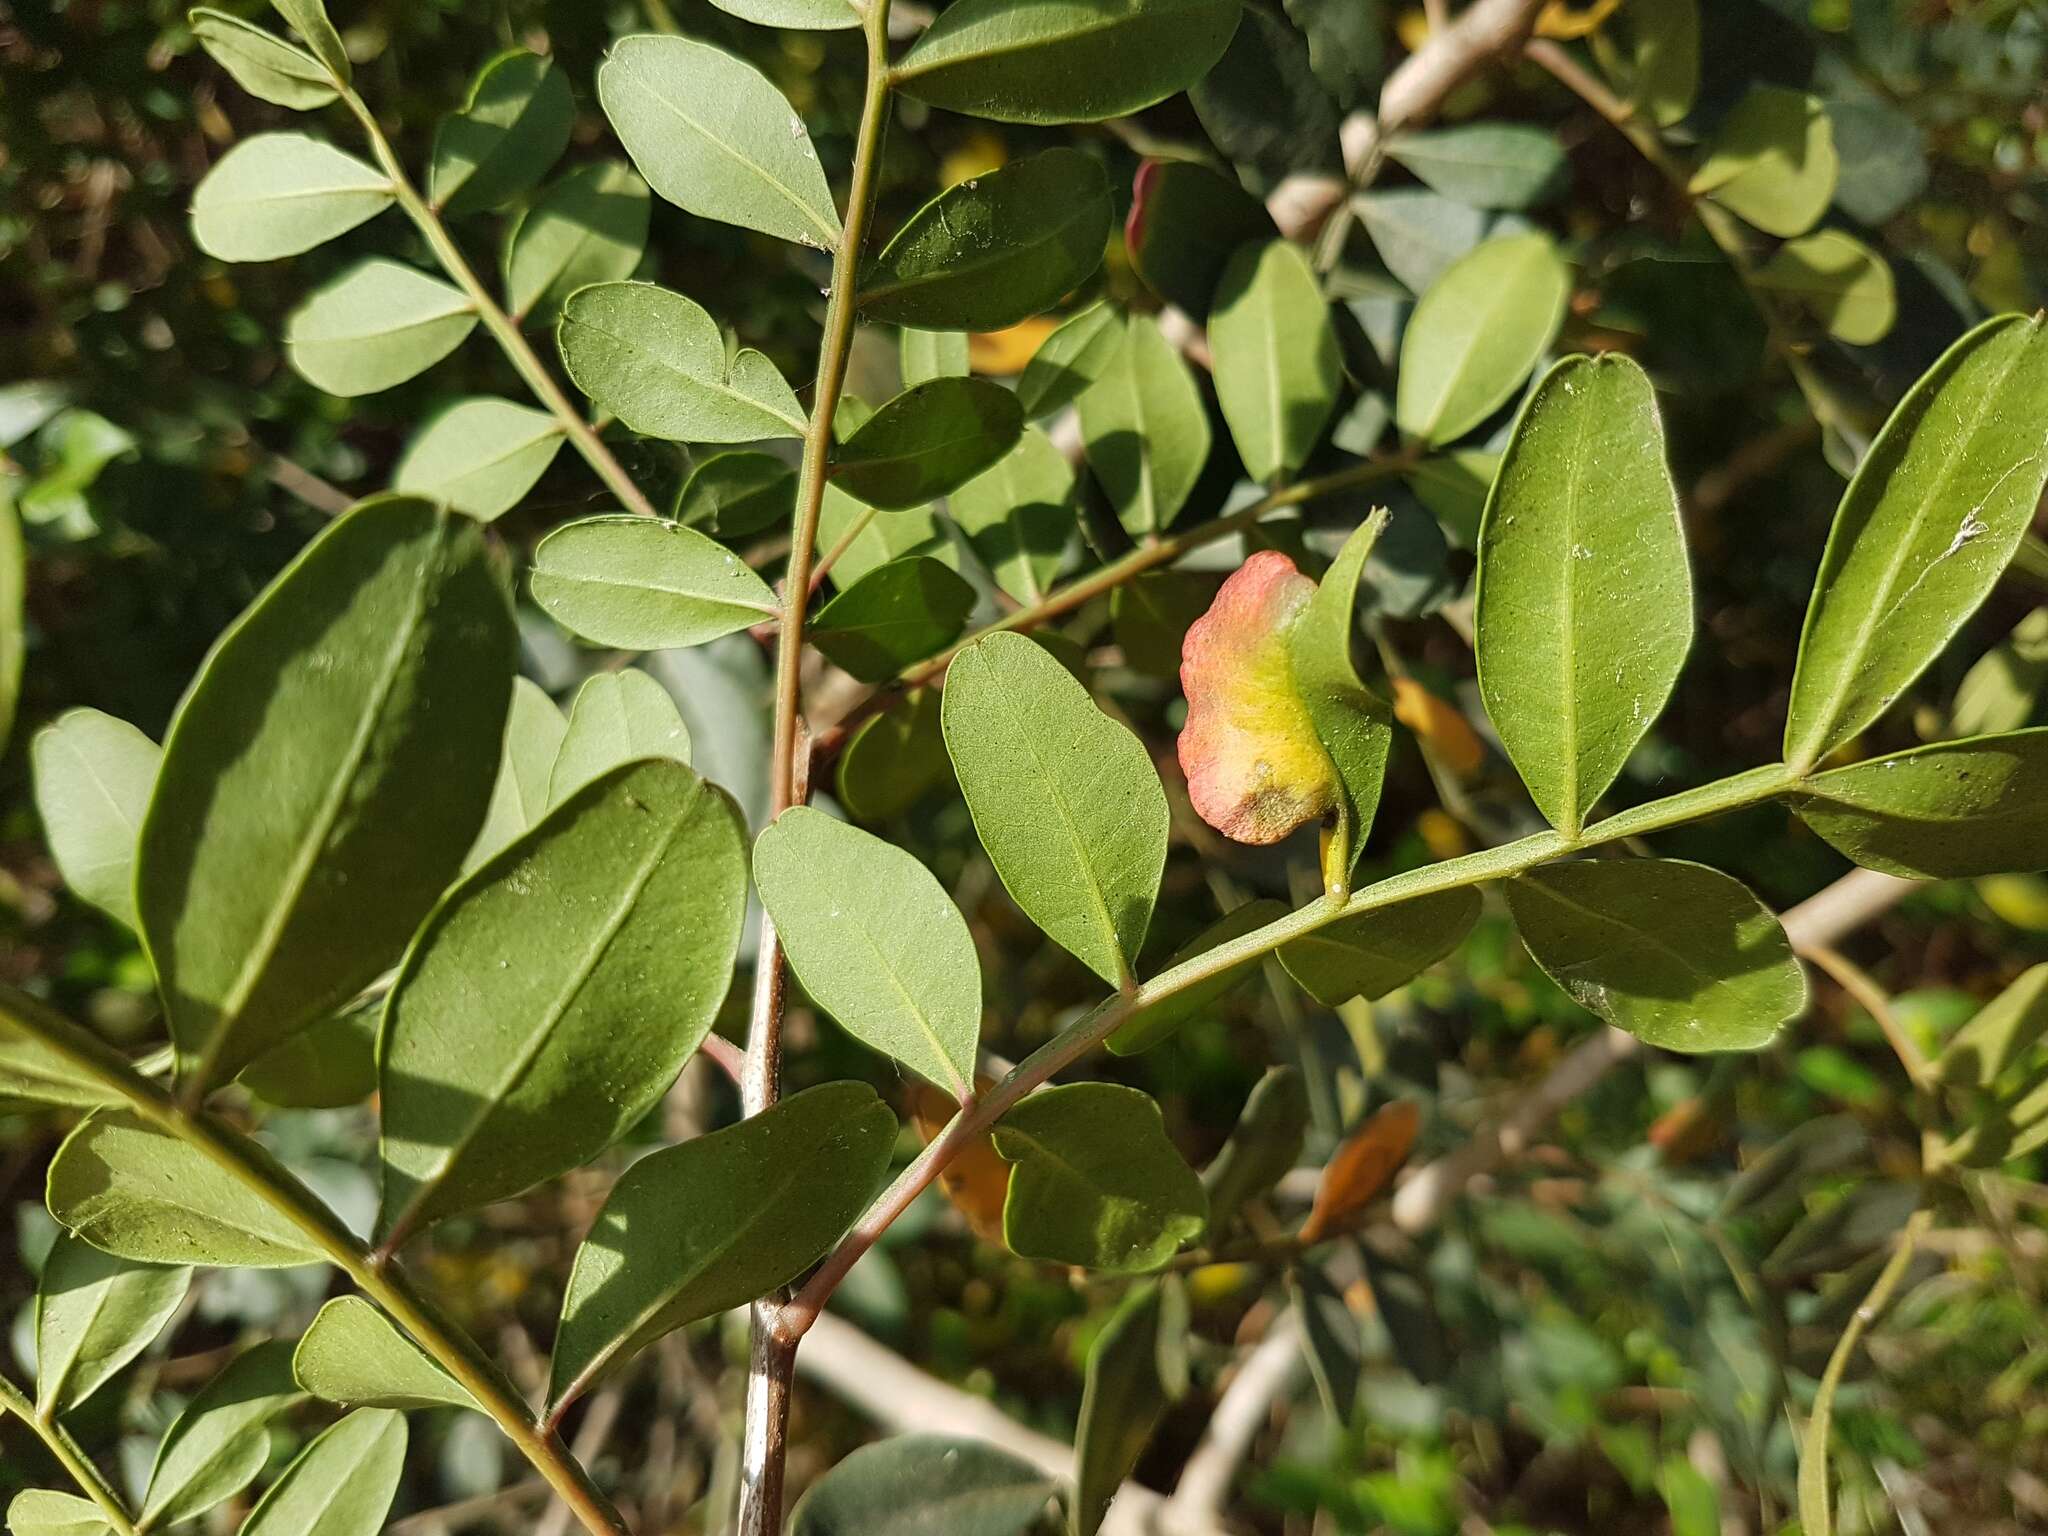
<point x="977" y="1181"/>
<point x="1361" y="1167"/>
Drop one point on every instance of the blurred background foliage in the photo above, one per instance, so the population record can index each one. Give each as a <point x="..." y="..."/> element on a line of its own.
<point x="1595" y="1340"/>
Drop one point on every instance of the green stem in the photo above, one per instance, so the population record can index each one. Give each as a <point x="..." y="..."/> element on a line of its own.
<point x="503" y="328"/>
<point x="840" y="546"/>
<point x="249" y="1165"/>
<point x="74" y="1461"/>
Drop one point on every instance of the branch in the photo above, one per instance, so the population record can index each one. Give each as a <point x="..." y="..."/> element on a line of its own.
<point x="69" y="1456"/>
<point x="1266" y="1375"/>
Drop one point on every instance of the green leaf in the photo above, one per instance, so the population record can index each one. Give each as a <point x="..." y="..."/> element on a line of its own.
<point x="1263" y="107"/>
<point x="1331" y="1338"/>
<point x="2003" y="687"/>
<point x="327" y="1065"/>
<point x="712" y="1224"/>
<point x="554" y="995"/>
<point x="94" y="1314"/>
<point x="534" y="730"/>
<point x="308" y="18"/>
<point x="1793" y="1164"/>
<point x="1097" y="1182"/>
<point x="39" y="1512"/>
<point x="1651" y="51"/>
<point x="712" y="136"/>
<point x="735" y="494"/>
<point x="656" y="360"/>
<point x="1146" y="430"/>
<point x="588" y="226"/>
<point x="1419" y="234"/>
<point x="221" y="1442"/>
<point x="13" y="610"/>
<point x="806" y="15"/>
<point x="1354" y="724"/>
<point x="1476" y="334"/>
<point x="879" y="540"/>
<point x="1681" y="956"/>
<point x="1583" y="612"/>
<point x="1070" y="61"/>
<point x="33" y="1070"/>
<point x="1375" y="952"/>
<point x="323" y="779"/>
<point x="1933" y="514"/>
<point x="1839" y="280"/>
<point x="277" y="194"/>
<point x="262" y="63"/>
<point x="355" y="1356"/>
<point x="1263" y="1147"/>
<point x="616" y="718"/>
<point x="1345" y="47"/>
<point x="876" y="941"/>
<point x="1185" y="222"/>
<point x="1485" y="165"/>
<point x="994" y="249"/>
<point x="1063" y="797"/>
<point x="1772" y="161"/>
<point x="129" y="1189"/>
<point x="926" y="1485"/>
<point x="340" y="1485"/>
<point x="644" y="585"/>
<point x="1693" y="1501"/>
<point x="894" y="616"/>
<point x="480" y="455"/>
<point x="1018" y="514"/>
<point x="1152" y="616"/>
<point x="1841" y="1234"/>
<point x="1069" y="360"/>
<point x="1122" y="1397"/>
<point x="1146" y="1027"/>
<point x="1276" y="365"/>
<point x="2000" y="1034"/>
<point x="93" y="776"/>
<point x="513" y="127"/>
<point x="1956" y="809"/>
<point x="376" y="325"/>
<point x="931" y="439"/>
<point x="925" y="355"/>
<point x="894" y="760"/>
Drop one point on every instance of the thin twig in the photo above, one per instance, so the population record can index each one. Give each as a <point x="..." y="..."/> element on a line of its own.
<point x="69" y="1456"/>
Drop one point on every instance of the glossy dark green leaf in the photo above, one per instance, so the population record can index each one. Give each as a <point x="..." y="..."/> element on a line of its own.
<point x="93" y="777"/>
<point x="221" y="1441"/>
<point x="341" y="1485"/>
<point x="1069" y="360"/>
<point x="588" y="226"/>
<point x="645" y="585"/>
<point x="656" y="360"/>
<point x="140" y="1194"/>
<point x="994" y="249"/>
<point x="480" y="455"/>
<point x="554" y="995"/>
<point x="277" y="194"/>
<point x="1097" y="1183"/>
<point x="714" y="1223"/>
<point x="262" y="63"/>
<point x="1064" y="798"/>
<point x="1353" y="723"/>
<point x="735" y="494"/>
<point x="876" y="942"/>
<point x="926" y="1485"/>
<point x="712" y="136"/>
<point x="1583" y="615"/>
<point x="1681" y="956"/>
<point x="894" y="760"/>
<point x="355" y="1356"/>
<point x="534" y="729"/>
<point x="1772" y="161"/>
<point x="931" y="439"/>
<point x="1276" y="365"/>
<point x="1146" y="430"/>
<point x="376" y="325"/>
<point x="1933" y="514"/>
<point x="41" y="1512"/>
<point x="1332" y="1339"/>
<point x="514" y="126"/>
<point x="323" y="779"/>
<point x="2000" y="1034"/>
<point x="1067" y="62"/>
<point x="896" y="615"/>
<point x="1951" y="810"/>
<point x="1122" y="1398"/>
<point x="1146" y="1027"/>
<point x="1018" y="514"/>
<point x="1371" y="954"/>
<point x="1485" y="165"/>
<point x="308" y="18"/>
<point x="1263" y="1148"/>
<point x="94" y="1314"/>
<point x="616" y="718"/>
<point x="1476" y="334"/>
<point x="1263" y="106"/>
<point x="1185" y="222"/>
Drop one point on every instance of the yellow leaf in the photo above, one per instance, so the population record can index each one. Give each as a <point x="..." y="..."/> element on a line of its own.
<point x="997" y="353"/>
<point x="1439" y="726"/>
<point x="977" y="1181"/>
<point x="976" y="155"/>
<point x="1564" y="20"/>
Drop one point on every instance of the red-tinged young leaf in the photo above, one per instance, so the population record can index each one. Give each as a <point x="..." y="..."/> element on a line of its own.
<point x="1361" y="1168"/>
